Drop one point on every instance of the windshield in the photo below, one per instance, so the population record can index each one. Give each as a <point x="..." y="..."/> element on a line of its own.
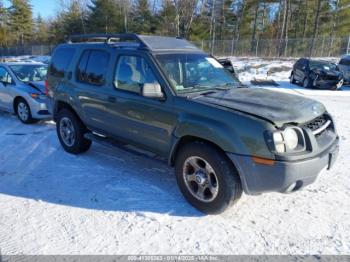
<point x="195" y="72"/>
<point x="30" y="73"/>
<point x="323" y="65"/>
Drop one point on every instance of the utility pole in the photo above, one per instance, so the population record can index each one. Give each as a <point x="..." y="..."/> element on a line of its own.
<point x="348" y="48"/>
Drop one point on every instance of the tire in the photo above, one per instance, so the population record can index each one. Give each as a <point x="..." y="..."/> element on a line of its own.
<point x="228" y="189"/>
<point x="292" y="79"/>
<point x="23" y="112"/>
<point x="306" y="83"/>
<point x="70" y="132"/>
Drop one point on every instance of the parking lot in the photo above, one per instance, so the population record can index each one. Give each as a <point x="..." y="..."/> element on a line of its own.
<point x="110" y="201"/>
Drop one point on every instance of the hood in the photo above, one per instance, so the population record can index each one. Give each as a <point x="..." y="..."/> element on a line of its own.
<point x="324" y="72"/>
<point x="276" y="107"/>
<point x="37" y="86"/>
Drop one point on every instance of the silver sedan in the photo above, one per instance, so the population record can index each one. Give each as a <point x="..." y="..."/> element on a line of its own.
<point x="22" y="91"/>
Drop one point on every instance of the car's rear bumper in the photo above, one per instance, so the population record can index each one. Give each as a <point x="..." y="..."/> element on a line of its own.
<point x="282" y="176"/>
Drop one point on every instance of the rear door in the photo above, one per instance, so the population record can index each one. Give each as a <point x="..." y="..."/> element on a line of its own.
<point x="91" y="86"/>
<point x="300" y="70"/>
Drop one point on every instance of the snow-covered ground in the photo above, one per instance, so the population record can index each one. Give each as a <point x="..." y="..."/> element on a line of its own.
<point x="109" y="201"/>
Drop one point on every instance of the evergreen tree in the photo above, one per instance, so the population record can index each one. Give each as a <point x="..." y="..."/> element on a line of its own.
<point x="105" y="16"/>
<point x="143" y="22"/>
<point x="3" y="24"/>
<point x="21" y="20"/>
<point x="41" y="30"/>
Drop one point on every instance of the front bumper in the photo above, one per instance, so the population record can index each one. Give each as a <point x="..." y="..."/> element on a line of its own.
<point x="282" y="176"/>
<point x="325" y="84"/>
<point x="39" y="108"/>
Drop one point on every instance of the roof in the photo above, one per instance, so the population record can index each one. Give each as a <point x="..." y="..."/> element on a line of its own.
<point x="346" y="57"/>
<point x="152" y="43"/>
<point x="21" y="63"/>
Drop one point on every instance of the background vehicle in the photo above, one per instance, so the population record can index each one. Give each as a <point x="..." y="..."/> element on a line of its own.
<point x="166" y="96"/>
<point x="22" y="91"/>
<point x="344" y="66"/>
<point x="316" y="74"/>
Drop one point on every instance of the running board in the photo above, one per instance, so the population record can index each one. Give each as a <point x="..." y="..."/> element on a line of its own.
<point x="109" y="142"/>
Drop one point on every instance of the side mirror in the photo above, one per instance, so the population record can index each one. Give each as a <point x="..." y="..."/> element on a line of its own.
<point x="152" y="90"/>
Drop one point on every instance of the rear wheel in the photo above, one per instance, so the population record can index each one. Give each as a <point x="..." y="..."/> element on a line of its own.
<point x="70" y="131"/>
<point x="292" y="79"/>
<point x="23" y="112"/>
<point x="206" y="177"/>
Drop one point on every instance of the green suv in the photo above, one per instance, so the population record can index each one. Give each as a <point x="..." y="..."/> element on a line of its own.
<point x="163" y="95"/>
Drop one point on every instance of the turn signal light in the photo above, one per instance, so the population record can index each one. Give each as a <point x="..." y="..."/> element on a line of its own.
<point x="263" y="161"/>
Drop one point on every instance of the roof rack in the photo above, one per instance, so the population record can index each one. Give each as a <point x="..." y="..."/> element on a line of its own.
<point x="107" y="38"/>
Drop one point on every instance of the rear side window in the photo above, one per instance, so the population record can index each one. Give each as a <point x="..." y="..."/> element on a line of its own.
<point x="93" y="67"/>
<point x="345" y="62"/>
<point x="60" y="61"/>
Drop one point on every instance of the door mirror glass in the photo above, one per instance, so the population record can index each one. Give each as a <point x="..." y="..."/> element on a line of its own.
<point x="152" y="90"/>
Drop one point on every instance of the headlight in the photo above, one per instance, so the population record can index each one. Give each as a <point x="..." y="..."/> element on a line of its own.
<point x="288" y="140"/>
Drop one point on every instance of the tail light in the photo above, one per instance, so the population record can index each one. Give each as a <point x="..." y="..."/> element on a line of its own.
<point x="46" y="87"/>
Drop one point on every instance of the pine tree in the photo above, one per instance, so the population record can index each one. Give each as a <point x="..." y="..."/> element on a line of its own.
<point x="41" y="30"/>
<point x="105" y="16"/>
<point x="3" y="24"/>
<point x="143" y="21"/>
<point x="21" y="20"/>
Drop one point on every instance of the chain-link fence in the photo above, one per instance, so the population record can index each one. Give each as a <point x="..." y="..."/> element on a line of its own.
<point x="319" y="47"/>
<point x="26" y="50"/>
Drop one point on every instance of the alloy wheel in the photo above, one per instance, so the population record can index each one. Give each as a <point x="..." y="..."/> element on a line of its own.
<point x="200" y="179"/>
<point x="67" y="131"/>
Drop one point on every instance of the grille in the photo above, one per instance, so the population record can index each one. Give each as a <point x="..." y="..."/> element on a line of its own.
<point x="326" y="77"/>
<point x="316" y="123"/>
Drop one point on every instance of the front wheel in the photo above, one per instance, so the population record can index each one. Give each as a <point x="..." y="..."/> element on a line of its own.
<point x="23" y="112"/>
<point x="207" y="178"/>
<point x="307" y="83"/>
<point x="70" y="131"/>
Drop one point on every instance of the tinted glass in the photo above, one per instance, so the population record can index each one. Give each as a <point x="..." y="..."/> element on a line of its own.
<point x="132" y="73"/>
<point x="81" y="75"/>
<point x="345" y="62"/>
<point x="323" y="65"/>
<point x="97" y="67"/>
<point x="195" y="73"/>
<point x="61" y="61"/>
<point x="30" y="73"/>
<point x="5" y="76"/>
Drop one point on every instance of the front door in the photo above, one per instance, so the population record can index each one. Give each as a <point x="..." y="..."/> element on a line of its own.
<point x="143" y="121"/>
<point x="6" y="83"/>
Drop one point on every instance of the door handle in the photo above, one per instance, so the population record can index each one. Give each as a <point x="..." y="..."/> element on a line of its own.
<point x="112" y="99"/>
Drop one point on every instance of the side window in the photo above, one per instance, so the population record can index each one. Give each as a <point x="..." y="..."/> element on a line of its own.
<point x="5" y="76"/>
<point x="81" y="75"/>
<point x="60" y="61"/>
<point x="344" y="62"/>
<point x="93" y="67"/>
<point x="132" y="72"/>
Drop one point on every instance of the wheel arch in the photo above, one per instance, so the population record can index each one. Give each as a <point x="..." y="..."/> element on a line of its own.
<point x="16" y="100"/>
<point x="180" y="142"/>
<point x="59" y="105"/>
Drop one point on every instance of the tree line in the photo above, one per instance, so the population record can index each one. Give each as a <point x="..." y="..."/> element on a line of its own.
<point x="196" y="20"/>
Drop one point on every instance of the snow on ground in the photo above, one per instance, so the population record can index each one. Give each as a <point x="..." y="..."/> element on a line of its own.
<point x="109" y="201"/>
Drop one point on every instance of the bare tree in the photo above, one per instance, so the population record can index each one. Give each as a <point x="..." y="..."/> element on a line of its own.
<point x="316" y="26"/>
